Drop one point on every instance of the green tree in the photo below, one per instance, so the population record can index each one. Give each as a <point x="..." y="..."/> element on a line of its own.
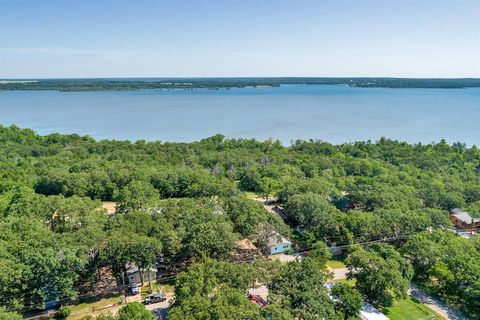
<point x="245" y="214"/>
<point x="214" y="238"/>
<point x="380" y="280"/>
<point x="268" y="187"/>
<point x="347" y="300"/>
<point x="134" y="311"/>
<point x="137" y="195"/>
<point x="315" y="213"/>
<point x="423" y="253"/>
<point x="216" y="290"/>
<point x="6" y="315"/>
<point x="299" y="288"/>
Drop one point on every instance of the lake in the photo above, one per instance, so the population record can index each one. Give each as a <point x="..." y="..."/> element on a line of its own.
<point x="331" y="113"/>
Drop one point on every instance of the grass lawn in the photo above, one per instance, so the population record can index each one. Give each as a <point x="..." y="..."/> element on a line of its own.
<point x="95" y="304"/>
<point x="336" y="263"/>
<point x="251" y="195"/>
<point x="410" y="309"/>
<point x="83" y="309"/>
<point x="145" y="289"/>
<point x="169" y="285"/>
<point x="165" y="286"/>
<point x="351" y="282"/>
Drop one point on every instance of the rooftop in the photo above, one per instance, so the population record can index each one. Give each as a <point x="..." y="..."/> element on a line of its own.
<point x="275" y="238"/>
<point x="462" y="216"/>
<point x="369" y="312"/>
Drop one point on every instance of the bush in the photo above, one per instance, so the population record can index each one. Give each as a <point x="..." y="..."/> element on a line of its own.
<point x="63" y="312"/>
<point x="135" y="310"/>
<point x="6" y="315"/>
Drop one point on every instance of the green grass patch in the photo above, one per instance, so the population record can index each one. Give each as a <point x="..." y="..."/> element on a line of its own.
<point x="94" y="304"/>
<point x="145" y="289"/>
<point x="410" y="309"/>
<point x="251" y="195"/>
<point x="168" y="285"/>
<point x="165" y="286"/>
<point x="350" y="282"/>
<point x="336" y="263"/>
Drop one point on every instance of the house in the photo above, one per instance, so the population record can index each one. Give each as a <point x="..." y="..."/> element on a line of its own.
<point x="277" y="243"/>
<point x="463" y="220"/>
<point x="133" y="274"/>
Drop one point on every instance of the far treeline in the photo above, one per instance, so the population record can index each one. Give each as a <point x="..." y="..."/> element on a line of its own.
<point x="183" y="206"/>
<point x="129" y="84"/>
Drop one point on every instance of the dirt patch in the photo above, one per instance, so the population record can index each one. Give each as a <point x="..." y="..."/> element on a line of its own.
<point x="110" y="206"/>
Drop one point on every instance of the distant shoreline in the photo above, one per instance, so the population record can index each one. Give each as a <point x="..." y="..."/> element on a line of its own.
<point x="133" y="84"/>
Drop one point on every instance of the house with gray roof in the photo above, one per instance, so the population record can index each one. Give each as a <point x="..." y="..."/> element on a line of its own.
<point x="277" y="243"/>
<point x="463" y="220"/>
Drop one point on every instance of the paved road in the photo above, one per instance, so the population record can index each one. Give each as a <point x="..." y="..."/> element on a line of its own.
<point x="282" y="257"/>
<point x="340" y="273"/>
<point x="436" y="305"/>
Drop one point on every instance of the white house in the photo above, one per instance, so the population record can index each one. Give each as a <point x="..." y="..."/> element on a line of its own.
<point x="277" y="243"/>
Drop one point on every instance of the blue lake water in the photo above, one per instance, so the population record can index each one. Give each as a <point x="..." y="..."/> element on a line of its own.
<point x="332" y="113"/>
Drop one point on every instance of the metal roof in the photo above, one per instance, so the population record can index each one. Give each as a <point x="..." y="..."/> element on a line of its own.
<point x="462" y="215"/>
<point x="276" y="238"/>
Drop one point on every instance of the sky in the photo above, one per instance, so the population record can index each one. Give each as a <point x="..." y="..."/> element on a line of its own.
<point x="222" y="38"/>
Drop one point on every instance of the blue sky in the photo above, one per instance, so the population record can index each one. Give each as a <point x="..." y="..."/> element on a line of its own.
<point x="155" y="38"/>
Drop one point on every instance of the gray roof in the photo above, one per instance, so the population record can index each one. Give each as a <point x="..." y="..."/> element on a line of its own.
<point x="368" y="312"/>
<point x="276" y="238"/>
<point x="462" y="215"/>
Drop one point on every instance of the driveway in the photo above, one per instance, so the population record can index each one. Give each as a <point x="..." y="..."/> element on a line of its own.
<point x="340" y="273"/>
<point x="434" y="304"/>
<point x="160" y="309"/>
<point x="282" y="257"/>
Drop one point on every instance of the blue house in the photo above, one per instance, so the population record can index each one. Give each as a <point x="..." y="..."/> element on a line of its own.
<point x="278" y="244"/>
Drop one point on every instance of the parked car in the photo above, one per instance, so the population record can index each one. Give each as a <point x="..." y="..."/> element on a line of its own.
<point x="154" y="298"/>
<point x="134" y="289"/>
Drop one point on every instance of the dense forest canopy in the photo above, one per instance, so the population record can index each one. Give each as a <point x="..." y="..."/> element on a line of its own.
<point x="185" y="204"/>
<point x="119" y="84"/>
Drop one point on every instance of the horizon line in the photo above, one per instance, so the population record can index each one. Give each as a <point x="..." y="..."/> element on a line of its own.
<point x="241" y="77"/>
